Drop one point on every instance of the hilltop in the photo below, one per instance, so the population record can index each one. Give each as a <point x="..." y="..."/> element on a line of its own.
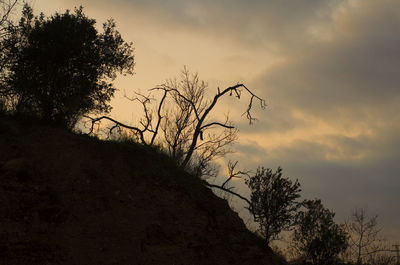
<point x="72" y="199"/>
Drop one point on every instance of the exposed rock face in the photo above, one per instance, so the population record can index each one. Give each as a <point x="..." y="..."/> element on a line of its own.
<point x="70" y="199"/>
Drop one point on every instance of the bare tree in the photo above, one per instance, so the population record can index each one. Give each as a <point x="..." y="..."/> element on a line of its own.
<point x="181" y="121"/>
<point x="188" y="121"/>
<point x="145" y="133"/>
<point x="364" y="239"/>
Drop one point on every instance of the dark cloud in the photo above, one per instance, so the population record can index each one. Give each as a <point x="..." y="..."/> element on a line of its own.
<point x="358" y="67"/>
<point x="257" y="23"/>
<point x="272" y="119"/>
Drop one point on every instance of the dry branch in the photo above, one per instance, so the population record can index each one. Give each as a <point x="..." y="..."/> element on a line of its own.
<point x="182" y="114"/>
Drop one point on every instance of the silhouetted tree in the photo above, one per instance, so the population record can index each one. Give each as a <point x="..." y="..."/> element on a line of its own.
<point x="316" y="236"/>
<point x="363" y="235"/>
<point x="273" y="201"/>
<point x="62" y="67"/>
<point x="6" y="10"/>
<point x="181" y="121"/>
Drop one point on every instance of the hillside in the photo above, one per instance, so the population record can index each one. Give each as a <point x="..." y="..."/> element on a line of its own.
<point x="72" y="199"/>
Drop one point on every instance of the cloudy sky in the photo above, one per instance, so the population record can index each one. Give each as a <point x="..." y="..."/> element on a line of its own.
<point x="329" y="70"/>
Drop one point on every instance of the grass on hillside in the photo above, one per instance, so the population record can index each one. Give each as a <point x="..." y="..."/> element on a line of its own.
<point x="162" y="165"/>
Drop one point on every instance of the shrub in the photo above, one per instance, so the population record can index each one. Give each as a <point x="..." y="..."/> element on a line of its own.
<point x="61" y="67"/>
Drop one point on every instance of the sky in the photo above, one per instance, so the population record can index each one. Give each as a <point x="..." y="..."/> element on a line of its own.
<point x="328" y="69"/>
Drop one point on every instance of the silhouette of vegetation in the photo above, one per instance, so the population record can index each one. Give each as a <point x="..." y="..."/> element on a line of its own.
<point x="232" y="173"/>
<point x="6" y="9"/>
<point x="181" y="121"/>
<point x="273" y="201"/>
<point x="317" y="238"/>
<point x="364" y="239"/>
<point x="61" y="67"/>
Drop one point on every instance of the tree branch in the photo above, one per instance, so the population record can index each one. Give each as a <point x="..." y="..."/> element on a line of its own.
<point x="217" y="123"/>
<point x="95" y="120"/>
<point x="233" y="174"/>
<point x="227" y="190"/>
<point x="159" y="118"/>
<point x="199" y="125"/>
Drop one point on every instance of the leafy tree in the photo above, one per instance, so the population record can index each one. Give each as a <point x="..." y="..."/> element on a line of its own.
<point x="273" y="201"/>
<point x="316" y="236"/>
<point x="62" y="67"/>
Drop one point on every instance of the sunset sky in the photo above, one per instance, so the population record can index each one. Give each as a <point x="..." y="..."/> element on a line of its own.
<point x="328" y="69"/>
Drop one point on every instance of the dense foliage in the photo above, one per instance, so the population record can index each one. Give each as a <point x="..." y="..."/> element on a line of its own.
<point x="273" y="201"/>
<point x="317" y="237"/>
<point x="61" y="67"/>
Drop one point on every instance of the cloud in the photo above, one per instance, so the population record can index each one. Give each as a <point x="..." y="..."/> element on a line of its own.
<point x="357" y="67"/>
<point x="256" y="23"/>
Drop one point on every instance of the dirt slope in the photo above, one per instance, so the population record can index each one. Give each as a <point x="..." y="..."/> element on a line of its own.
<point x="71" y="199"/>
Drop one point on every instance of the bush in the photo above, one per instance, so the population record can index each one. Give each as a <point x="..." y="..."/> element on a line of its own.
<point x="317" y="237"/>
<point x="273" y="201"/>
<point x="61" y="67"/>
